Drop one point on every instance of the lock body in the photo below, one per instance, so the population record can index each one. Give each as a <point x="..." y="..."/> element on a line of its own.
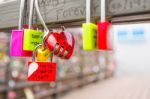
<point x="16" y="45"/>
<point x="31" y="39"/>
<point x="104" y="36"/>
<point x="65" y="42"/>
<point x="43" y="54"/>
<point x="89" y="36"/>
<point x="42" y="71"/>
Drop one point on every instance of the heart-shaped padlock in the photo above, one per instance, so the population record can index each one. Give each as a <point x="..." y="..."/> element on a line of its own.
<point x="62" y="44"/>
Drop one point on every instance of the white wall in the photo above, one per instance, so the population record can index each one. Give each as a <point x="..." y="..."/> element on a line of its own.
<point x="132" y="54"/>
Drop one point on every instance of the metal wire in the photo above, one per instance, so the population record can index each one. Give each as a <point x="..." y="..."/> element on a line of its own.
<point x="103" y="11"/>
<point x="21" y="14"/>
<point x="34" y="52"/>
<point x="40" y="16"/>
<point x="88" y="11"/>
<point x="31" y="13"/>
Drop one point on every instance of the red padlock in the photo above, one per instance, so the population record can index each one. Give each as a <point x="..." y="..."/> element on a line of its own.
<point x="104" y="30"/>
<point x="61" y="44"/>
<point x="104" y="36"/>
<point x="41" y="71"/>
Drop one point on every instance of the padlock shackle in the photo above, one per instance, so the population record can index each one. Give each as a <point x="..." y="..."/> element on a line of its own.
<point x="31" y="13"/>
<point x="21" y="14"/>
<point x="40" y="16"/>
<point x="34" y="53"/>
<point x="103" y="10"/>
<point x="88" y="11"/>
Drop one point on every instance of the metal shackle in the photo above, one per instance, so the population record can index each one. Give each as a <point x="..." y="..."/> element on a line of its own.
<point x="34" y="52"/>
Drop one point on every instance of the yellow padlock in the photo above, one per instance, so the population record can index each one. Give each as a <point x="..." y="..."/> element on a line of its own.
<point x="89" y="36"/>
<point x="89" y="30"/>
<point x="43" y="54"/>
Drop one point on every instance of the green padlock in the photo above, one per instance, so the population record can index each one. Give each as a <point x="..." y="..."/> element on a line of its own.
<point x="89" y="31"/>
<point x="31" y="37"/>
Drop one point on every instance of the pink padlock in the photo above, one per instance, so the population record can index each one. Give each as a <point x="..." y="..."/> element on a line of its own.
<point x="16" y="45"/>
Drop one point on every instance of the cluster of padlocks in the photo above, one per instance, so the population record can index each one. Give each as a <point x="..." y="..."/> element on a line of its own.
<point x="42" y="45"/>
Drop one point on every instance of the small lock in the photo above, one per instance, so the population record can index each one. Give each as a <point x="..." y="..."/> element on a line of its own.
<point x="89" y="36"/>
<point x="16" y="45"/>
<point x="17" y="36"/>
<point x="89" y="30"/>
<point x="41" y="71"/>
<point x="104" y="36"/>
<point x="61" y="44"/>
<point x="43" y="54"/>
<point x="31" y="37"/>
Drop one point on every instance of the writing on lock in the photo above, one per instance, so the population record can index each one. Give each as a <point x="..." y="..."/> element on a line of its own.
<point x="32" y="38"/>
<point x="41" y="71"/>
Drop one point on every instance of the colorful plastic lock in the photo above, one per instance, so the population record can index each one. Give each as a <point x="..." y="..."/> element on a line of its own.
<point x="31" y="37"/>
<point x="41" y="71"/>
<point x="16" y="44"/>
<point x="43" y="54"/>
<point x="89" y="36"/>
<point x="104" y="36"/>
<point x="62" y="44"/>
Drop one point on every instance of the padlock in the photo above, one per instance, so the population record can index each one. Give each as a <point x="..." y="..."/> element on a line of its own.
<point x="31" y="37"/>
<point x="43" y="54"/>
<point x="41" y="71"/>
<point x="104" y="36"/>
<point x="16" y="44"/>
<point x="89" y="30"/>
<point x="61" y="44"/>
<point x="89" y="36"/>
